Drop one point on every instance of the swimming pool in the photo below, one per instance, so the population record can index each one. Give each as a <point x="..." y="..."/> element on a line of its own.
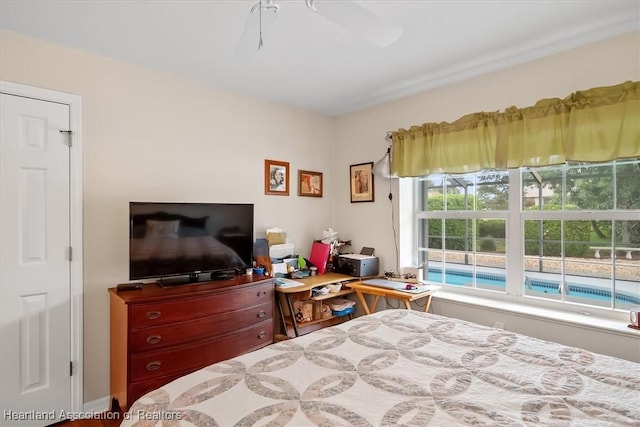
<point x="457" y="277"/>
<point x="461" y="278"/>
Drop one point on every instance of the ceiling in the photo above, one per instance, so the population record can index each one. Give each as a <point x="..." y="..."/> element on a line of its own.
<point x="311" y="62"/>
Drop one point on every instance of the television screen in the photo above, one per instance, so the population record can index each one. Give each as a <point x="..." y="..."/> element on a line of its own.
<point x="174" y="239"/>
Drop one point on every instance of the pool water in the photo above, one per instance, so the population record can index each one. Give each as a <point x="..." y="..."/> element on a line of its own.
<point x="454" y="277"/>
<point x="462" y="278"/>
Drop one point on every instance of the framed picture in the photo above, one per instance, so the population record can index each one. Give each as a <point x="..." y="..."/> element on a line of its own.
<point x="361" y="178"/>
<point x="276" y="178"/>
<point x="309" y="183"/>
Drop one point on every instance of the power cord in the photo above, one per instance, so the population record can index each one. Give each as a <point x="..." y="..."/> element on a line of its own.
<point x="393" y="227"/>
<point x="386" y="300"/>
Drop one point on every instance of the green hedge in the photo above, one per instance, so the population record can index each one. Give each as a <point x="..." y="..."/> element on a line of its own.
<point x="454" y="228"/>
<point x="577" y="235"/>
<point x="492" y="227"/>
<point x="488" y="245"/>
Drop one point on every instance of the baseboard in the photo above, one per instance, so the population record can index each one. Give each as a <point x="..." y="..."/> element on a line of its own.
<point x="98" y="405"/>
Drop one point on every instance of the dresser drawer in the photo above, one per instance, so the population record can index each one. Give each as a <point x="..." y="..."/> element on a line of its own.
<point x="138" y="389"/>
<point x="160" y="313"/>
<point x="193" y="356"/>
<point x="157" y="337"/>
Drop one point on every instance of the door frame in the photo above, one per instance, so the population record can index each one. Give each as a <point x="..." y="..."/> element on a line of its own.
<point x="75" y="224"/>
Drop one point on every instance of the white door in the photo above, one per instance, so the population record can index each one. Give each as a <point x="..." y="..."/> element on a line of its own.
<point x="35" y="322"/>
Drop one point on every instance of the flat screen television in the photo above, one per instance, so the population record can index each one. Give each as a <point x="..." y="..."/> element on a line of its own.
<point x="198" y="241"/>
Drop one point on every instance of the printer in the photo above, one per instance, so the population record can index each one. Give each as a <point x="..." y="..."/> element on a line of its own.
<point x="358" y="265"/>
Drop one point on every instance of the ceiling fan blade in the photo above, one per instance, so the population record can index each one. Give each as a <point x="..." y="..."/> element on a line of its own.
<point x="358" y="20"/>
<point x="255" y="33"/>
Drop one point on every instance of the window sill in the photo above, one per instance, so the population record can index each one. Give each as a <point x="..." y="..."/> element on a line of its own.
<point x="574" y="319"/>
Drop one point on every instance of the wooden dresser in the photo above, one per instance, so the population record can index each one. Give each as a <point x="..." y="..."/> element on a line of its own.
<point x="159" y="334"/>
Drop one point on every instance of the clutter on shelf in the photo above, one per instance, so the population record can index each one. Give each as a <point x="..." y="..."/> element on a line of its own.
<point x="276" y="254"/>
<point x="308" y="310"/>
<point x="279" y="246"/>
<point x="280" y="257"/>
<point x="341" y="306"/>
<point x="344" y="312"/>
<point x="320" y="253"/>
<point x="303" y="310"/>
<point x="334" y="287"/>
<point x="321" y="311"/>
<point x="330" y="237"/>
<point x="261" y="259"/>
<point x="283" y="282"/>
<point x="276" y="236"/>
<point x="324" y="290"/>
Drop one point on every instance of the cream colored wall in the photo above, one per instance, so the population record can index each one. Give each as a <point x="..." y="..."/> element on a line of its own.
<point x="150" y="136"/>
<point x="360" y="137"/>
<point x="624" y="345"/>
<point x="153" y="136"/>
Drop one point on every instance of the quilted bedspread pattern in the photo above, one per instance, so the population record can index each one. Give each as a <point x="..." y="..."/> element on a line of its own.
<point x="401" y="367"/>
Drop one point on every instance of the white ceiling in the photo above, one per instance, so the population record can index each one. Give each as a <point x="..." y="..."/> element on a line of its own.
<point x="309" y="61"/>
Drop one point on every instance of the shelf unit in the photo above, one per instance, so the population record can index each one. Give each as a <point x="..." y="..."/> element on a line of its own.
<point x="286" y="297"/>
<point x="332" y="295"/>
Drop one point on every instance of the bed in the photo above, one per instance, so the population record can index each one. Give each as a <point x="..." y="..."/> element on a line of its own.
<point x="402" y="367"/>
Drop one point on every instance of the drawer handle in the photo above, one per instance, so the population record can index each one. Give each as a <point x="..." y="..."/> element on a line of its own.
<point x="262" y="293"/>
<point x="262" y="314"/>
<point x="262" y="334"/>
<point x="153" y="366"/>
<point x="153" y="339"/>
<point x="151" y="315"/>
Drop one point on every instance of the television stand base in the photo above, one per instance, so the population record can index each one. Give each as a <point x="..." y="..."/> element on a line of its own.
<point x="193" y="279"/>
<point x="221" y="276"/>
<point x="170" y="282"/>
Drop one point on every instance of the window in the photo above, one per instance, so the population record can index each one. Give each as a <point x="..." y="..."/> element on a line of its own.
<point x="565" y="234"/>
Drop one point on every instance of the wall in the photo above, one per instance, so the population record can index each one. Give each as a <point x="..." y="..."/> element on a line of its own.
<point x="615" y="343"/>
<point x="360" y="137"/>
<point x="153" y="136"/>
<point x="150" y="136"/>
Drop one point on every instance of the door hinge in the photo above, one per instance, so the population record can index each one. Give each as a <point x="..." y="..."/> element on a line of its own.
<point x="69" y="133"/>
<point x="70" y="369"/>
<point x="70" y="253"/>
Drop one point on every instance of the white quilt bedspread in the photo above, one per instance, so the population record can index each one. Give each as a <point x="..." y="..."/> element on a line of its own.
<point x="400" y="367"/>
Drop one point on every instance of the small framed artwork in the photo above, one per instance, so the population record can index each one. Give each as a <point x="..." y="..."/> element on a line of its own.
<point x="276" y="178"/>
<point x="309" y="183"/>
<point x="361" y="177"/>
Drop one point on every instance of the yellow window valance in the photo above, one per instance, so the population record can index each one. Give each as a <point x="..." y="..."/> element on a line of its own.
<point x="595" y="125"/>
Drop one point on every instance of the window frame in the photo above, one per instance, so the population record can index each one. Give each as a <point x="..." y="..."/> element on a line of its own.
<point x="515" y="218"/>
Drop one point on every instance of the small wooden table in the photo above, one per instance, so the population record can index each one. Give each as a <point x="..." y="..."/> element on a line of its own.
<point x="406" y="297"/>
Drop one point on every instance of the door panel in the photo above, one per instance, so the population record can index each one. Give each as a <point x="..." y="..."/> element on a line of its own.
<point x="35" y="267"/>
